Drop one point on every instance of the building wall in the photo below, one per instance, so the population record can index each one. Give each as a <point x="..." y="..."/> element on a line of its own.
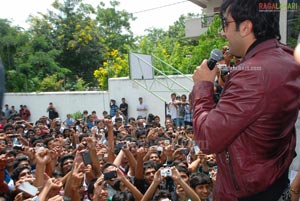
<point x="71" y="102"/>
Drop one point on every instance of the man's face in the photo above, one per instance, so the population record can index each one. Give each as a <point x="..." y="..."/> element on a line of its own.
<point x="203" y="191"/>
<point x="185" y="178"/>
<point x="26" y="173"/>
<point x="154" y="157"/>
<point x="37" y="131"/>
<point x="173" y="97"/>
<point x="9" y="130"/>
<point x="24" y="163"/>
<point x="169" y="123"/>
<point x="67" y="165"/>
<point x="149" y="175"/>
<point x="232" y="35"/>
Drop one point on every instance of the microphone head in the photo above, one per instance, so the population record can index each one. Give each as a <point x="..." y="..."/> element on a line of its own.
<point x="216" y="55"/>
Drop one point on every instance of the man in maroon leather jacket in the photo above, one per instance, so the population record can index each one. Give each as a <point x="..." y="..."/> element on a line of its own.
<point x="252" y="127"/>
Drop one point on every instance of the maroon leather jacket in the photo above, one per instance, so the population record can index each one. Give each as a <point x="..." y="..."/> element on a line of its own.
<point x="252" y="128"/>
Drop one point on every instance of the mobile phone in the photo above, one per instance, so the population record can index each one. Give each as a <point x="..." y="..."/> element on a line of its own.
<point x="215" y="169"/>
<point x="184" y="151"/>
<point x="18" y="148"/>
<point x="141" y="143"/>
<point x="196" y="149"/>
<point x="86" y="158"/>
<point x="110" y="175"/>
<point x="39" y="149"/>
<point x="159" y="148"/>
<point x="28" y="188"/>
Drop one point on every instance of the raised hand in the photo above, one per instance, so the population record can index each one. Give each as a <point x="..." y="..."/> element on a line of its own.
<point x="52" y="183"/>
<point x="77" y="174"/>
<point x="43" y="157"/>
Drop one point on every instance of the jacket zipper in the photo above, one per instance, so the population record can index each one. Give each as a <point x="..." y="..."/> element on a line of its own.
<point x="231" y="170"/>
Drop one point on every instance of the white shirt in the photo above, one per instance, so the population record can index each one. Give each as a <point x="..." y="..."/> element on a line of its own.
<point x="143" y="107"/>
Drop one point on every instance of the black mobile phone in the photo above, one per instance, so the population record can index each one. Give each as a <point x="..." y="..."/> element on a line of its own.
<point x="86" y="158"/>
<point x="110" y="175"/>
<point x="18" y="148"/>
<point x="184" y="151"/>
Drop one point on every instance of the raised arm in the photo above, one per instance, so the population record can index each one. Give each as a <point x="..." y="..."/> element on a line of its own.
<point x="189" y="191"/>
<point x="91" y="144"/>
<point x="136" y="193"/>
<point x="110" y="139"/>
<point x="152" y="188"/>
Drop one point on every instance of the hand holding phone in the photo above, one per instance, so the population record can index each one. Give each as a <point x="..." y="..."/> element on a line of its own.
<point x="86" y="158"/>
<point x="28" y="188"/>
<point x="110" y="175"/>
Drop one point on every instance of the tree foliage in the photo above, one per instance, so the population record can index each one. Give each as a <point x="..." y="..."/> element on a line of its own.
<point x="65" y="45"/>
<point x="75" y="46"/>
<point x="174" y="49"/>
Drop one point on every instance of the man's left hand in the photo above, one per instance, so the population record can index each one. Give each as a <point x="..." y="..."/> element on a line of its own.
<point x="203" y="73"/>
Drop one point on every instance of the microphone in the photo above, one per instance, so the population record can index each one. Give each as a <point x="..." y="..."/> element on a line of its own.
<point x="215" y="56"/>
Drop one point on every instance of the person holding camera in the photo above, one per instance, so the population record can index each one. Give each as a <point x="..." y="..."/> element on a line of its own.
<point x="183" y="190"/>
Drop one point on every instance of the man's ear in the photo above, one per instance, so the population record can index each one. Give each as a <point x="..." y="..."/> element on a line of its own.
<point x="246" y="28"/>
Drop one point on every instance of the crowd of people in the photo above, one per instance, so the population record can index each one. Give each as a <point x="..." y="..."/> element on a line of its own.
<point x="105" y="157"/>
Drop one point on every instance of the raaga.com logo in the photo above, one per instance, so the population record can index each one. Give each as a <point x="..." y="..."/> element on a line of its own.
<point x="276" y="7"/>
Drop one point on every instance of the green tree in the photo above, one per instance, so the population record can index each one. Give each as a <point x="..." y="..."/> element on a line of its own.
<point x="114" y="27"/>
<point x="115" y="66"/>
<point x="173" y="48"/>
<point x="208" y="41"/>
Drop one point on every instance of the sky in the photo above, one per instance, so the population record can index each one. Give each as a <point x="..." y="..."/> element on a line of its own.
<point x="159" y="15"/>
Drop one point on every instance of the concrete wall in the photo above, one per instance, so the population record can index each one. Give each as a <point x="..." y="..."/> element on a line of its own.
<point x="65" y="102"/>
<point x="71" y="102"/>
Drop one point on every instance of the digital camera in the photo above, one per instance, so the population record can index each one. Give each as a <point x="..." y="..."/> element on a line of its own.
<point x="166" y="172"/>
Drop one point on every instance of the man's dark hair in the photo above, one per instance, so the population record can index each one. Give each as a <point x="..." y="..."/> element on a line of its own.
<point x="37" y="140"/>
<point x="20" y="159"/>
<point x="83" y="135"/>
<point x="265" y="24"/>
<point x="65" y="157"/>
<point x="8" y="126"/>
<point x="131" y="119"/>
<point x="200" y="179"/>
<point x="57" y="174"/>
<point x="123" y="196"/>
<point x="118" y="119"/>
<point x="106" y="165"/>
<point x="17" y="171"/>
<point x="162" y="194"/>
<point x="183" y="169"/>
<point x="90" y="188"/>
<point x="47" y="140"/>
<point x="150" y="164"/>
<point x="9" y="150"/>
